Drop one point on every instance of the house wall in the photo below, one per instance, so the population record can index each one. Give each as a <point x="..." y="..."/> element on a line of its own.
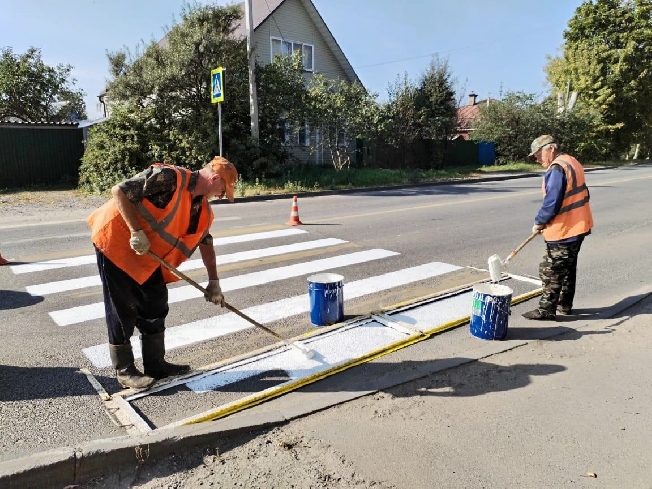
<point x="292" y="22"/>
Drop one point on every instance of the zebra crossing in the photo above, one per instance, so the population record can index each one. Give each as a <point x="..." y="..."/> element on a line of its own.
<point x="186" y="334"/>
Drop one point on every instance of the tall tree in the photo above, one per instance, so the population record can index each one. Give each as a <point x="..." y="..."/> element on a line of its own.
<point x="171" y="79"/>
<point x="32" y="91"/>
<point x="607" y="59"/>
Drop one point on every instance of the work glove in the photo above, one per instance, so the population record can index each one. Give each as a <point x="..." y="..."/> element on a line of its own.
<point x="537" y="228"/>
<point x="139" y="242"/>
<point x="214" y="293"/>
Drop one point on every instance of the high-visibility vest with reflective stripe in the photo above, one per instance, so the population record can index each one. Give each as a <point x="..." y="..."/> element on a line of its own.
<point x="165" y="228"/>
<point x="574" y="217"/>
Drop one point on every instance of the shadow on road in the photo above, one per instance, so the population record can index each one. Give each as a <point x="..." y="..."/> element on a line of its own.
<point x="477" y="379"/>
<point x="553" y="333"/>
<point x="31" y="383"/>
<point x="11" y="299"/>
<point x="617" y="310"/>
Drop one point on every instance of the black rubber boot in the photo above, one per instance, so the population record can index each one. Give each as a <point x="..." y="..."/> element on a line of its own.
<point x="122" y="358"/>
<point x="153" y="346"/>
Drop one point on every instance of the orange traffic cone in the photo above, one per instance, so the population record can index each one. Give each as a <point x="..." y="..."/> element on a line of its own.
<point x="2" y="260"/>
<point x="294" y="215"/>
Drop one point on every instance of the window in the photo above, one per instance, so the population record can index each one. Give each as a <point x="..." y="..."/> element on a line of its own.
<point x="294" y="134"/>
<point x="281" y="47"/>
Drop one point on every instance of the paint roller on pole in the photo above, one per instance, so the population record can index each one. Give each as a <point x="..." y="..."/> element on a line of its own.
<point x="495" y="264"/>
<point x="304" y="351"/>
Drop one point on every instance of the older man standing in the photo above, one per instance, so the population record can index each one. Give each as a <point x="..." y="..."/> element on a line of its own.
<point x="164" y="209"/>
<point x="564" y="219"/>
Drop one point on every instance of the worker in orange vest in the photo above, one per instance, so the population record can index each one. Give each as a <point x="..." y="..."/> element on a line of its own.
<point x="564" y="219"/>
<point x="164" y="209"/>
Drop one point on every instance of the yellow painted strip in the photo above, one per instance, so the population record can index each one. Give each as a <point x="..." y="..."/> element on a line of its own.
<point x="398" y="345"/>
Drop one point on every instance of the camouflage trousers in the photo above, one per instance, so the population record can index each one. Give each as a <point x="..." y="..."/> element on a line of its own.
<point x="558" y="272"/>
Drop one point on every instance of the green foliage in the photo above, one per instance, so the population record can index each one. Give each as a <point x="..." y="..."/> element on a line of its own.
<point x="514" y="122"/>
<point x="117" y="149"/>
<point x="171" y="81"/>
<point x="420" y="112"/>
<point x="343" y="112"/>
<point x="32" y="91"/>
<point x="611" y="67"/>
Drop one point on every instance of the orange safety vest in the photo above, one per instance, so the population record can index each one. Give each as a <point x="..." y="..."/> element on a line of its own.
<point x="574" y="217"/>
<point x="165" y="228"/>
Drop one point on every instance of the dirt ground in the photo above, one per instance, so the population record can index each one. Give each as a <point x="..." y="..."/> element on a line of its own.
<point x="571" y="411"/>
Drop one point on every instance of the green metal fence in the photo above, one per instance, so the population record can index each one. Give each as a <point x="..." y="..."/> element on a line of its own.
<point x="32" y="154"/>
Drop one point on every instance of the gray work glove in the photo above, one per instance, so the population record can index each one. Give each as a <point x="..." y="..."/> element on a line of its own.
<point x="214" y="293"/>
<point x="538" y="228"/>
<point x="139" y="242"/>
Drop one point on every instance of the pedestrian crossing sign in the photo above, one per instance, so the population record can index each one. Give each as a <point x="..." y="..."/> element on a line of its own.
<point x="217" y="85"/>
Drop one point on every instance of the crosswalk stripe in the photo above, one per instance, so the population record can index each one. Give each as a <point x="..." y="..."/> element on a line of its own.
<point x="90" y="259"/>
<point x="80" y="314"/>
<point x="94" y="280"/>
<point x="214" y="327"/>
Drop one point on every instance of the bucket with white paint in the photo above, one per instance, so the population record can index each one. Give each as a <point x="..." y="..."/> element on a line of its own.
<point x="491" y="303"/>
<point x="326" y="292"/>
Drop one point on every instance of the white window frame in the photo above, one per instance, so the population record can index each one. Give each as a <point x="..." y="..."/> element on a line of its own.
<point x="293" y="44"/>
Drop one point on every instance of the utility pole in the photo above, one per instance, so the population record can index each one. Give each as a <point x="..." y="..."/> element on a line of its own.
<point x="253" y="96"/>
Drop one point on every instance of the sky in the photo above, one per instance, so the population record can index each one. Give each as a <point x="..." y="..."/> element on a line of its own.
<point x="490" y="45"/>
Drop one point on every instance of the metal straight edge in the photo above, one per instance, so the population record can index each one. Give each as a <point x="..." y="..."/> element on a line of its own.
<point x="277" y="391"/>
<point x="119" y="411"/>
<point x="272" y="391"/>
<point x="525" y="278"/>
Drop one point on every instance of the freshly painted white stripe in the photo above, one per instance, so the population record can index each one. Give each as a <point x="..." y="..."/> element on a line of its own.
<point x="80" y="314"/>
<point x="88" y="259"/>
<point x="213" y="327"/>
<point x="93" y="281"/>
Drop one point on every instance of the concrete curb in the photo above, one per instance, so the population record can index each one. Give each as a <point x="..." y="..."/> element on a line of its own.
<point x="63" y="466"/>
<point x="383" y="188"/>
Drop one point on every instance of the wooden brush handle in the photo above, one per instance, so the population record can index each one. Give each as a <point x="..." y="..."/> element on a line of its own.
<point x="521" y="246"/>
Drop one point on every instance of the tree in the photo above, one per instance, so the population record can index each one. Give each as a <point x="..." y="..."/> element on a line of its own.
<point x="342" y="112"/>
<point x="32" y="91"/>
<point x="514" y="122"/>
<point x="421" y="113"/>
<point x="170" y="81"/>
<point x="607" y="59"/>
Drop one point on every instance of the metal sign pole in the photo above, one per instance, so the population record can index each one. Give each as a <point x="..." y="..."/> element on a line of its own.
<point x="219" y="119"/>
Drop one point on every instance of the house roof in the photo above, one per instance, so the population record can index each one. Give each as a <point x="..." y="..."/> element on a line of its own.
<point x="466" y="114"/>
<point x="263" y="9"/>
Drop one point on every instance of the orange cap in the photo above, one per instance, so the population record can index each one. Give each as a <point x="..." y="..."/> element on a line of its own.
<point x="225" y="169"/>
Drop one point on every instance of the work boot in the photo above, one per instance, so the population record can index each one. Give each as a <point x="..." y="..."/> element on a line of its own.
<point x="539" y="315"/>
<point x="122" y="358"/>
<point x="564" y="310"/>
<point x="153" y="346"/>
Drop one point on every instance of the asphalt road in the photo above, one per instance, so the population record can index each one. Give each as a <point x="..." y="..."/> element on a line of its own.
<point x="46" y="403"/>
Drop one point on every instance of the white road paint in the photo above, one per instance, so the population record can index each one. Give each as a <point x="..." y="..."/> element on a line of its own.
<point x="214" y="327"/>
<point x="332" y="349"/>
<point x="79" y="314"/>
<point x="436" y="313"/>
<point x="90" y="259"/>
<point x="94" y="280"/>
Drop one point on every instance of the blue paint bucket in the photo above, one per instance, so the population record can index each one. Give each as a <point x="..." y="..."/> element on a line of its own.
<point x="491" y="305"/>
<point x="326" y="292"/>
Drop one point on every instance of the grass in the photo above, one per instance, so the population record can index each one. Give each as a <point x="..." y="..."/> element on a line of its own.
<point x="311" y="178"/>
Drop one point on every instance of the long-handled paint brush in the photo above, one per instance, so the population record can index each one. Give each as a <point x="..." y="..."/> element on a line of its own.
<point x="495" y="264"/>
<point x="304" y="351"/>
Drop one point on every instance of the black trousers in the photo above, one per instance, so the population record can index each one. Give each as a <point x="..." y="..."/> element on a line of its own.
<point x="129" y="305"/>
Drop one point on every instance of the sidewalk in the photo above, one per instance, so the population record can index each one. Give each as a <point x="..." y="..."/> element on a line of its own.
<point x="570" y="411"/>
